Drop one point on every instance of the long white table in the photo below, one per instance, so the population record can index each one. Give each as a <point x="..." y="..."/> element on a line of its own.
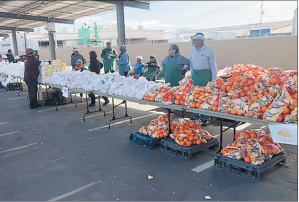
<point x="170" y="107"/>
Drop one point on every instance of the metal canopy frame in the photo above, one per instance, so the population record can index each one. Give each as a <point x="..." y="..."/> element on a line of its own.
<point x="16" y="28"/>
<point x="35" y="18"/>
<point x="132" y="4"/>
<point x="33" y="13"/>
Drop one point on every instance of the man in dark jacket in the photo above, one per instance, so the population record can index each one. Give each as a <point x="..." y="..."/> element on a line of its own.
<point x="10" y="56"/>
<point x="30" y="77"/>
<point x="95" y="66"/>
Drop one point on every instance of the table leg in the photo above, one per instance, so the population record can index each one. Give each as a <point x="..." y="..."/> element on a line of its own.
<point x="221" y="135"/>
<point x="87" y="108"/>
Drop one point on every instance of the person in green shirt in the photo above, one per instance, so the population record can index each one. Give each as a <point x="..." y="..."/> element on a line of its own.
<point x="108" y="55"/>
<point x="174" y="66"/>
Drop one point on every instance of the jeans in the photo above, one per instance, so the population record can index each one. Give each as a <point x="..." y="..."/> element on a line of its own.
<point x="32" y="88"/>
<point x="202" y="117"/>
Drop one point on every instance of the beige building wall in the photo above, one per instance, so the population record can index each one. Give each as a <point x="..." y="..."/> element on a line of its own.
<point x="266" y="52"/>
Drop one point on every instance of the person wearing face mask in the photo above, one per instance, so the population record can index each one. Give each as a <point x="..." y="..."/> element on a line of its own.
<point x="152" y="69"/>
<point x="203" y="67"/>
<point x="174" y="66"/>
<point x="124" y="61"/>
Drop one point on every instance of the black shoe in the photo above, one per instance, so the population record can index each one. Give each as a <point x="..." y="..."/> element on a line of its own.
<point x="106" y="102"/>
<point x="34" y="107"/>
<point x="205" y="123"/>
<point x="38" y="104"/>
<point x="92" y="105"/>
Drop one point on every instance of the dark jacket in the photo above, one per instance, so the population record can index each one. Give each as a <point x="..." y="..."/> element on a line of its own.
<point x="10" y="58"/>
<point x="95" y="66"/>
<point x="31" y="67"/>
<point x="155" y="65"/>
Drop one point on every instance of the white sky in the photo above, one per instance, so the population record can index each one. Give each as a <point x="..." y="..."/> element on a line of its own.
<point x="170" y="15"/>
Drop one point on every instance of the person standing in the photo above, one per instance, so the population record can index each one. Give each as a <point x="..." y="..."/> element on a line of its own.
<point x="203" y="67"/>
<point x="10" y="56"/>
<point x="75" y="57"/>
<point x="152" y="69"/>
<point x="30" y="76"/>
<point x="124" y="61"/>
<point x="174" y="66"/>
<point x="95" y="66"/>
<point x="108" y="55"/>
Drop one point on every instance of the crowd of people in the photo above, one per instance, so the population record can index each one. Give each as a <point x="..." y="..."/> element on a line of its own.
<point x="201" y="64"/>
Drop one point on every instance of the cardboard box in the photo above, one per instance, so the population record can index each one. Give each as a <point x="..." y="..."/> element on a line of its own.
<point x="42" y="94"/>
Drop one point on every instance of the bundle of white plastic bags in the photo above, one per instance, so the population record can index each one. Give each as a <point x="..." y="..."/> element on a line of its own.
<point x="13" y="69"/>
<point x="112" y="83"/>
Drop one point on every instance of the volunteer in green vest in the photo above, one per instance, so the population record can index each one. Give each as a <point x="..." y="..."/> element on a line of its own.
<point x="152" y="69"/>
<point x="174" y="66"/>
<point x="108" y="54"/>
<point x="203" y="67"/>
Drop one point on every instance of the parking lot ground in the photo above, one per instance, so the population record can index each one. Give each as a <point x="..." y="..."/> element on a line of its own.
<point x="49" y="155"/>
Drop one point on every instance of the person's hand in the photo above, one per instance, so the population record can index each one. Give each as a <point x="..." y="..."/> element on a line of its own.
<point x="184" y="72"/>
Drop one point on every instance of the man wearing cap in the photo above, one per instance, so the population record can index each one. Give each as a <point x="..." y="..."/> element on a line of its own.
<point x="203" y="66"/>
<point x="174" y="66"/>
<point x="30" y="76"/>
<point x="108" y="55"/>
<point x="76" y="57"/>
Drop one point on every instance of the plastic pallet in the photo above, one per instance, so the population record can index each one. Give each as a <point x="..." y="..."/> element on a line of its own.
<point x="144" y="140"/>
<point x="168" y="145"/>
<point x="247" y="170"/>
<point x="13" y="87"/>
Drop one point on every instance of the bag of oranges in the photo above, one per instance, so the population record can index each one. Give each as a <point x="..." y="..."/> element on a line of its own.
<point x="157" y="128"/>
<point x="143" y="130"/>
<point x="253" y="153"/>
<point x="238" y="106"/>
<point x="255" y="146"/>
<point x="197" y="97"/>
<point x="292" y="117"/>
<point x="279" y="107"/>
<point x="188" y="132"/>
<point x="160" y="94"/>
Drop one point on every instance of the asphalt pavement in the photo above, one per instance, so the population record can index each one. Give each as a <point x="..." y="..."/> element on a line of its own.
<point x="49" y="155"/>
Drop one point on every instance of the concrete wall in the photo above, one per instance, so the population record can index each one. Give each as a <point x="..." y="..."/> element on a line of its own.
<point x="266" y="52"/>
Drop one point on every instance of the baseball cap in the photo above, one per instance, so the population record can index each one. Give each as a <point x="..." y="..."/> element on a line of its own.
<point x="199" y="35"/>
<point x="139" y="57"/>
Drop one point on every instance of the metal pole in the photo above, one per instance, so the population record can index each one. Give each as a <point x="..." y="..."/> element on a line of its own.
<point x="120" y="24"/>
<point x="261" y="19"/>
<point x="52" y="45"/>
<point x="14" y="42"/>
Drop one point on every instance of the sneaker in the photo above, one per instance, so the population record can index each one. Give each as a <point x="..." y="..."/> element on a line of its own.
<point x="106" y="102"/>
<point x="92" y="105"/>
<point x="205" y="123"/>
<point x="81" y="99"/>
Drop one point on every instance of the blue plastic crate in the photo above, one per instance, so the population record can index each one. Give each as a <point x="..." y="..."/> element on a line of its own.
<point x="169" y="146"/>
<point x="245" y="169"/>
<point x="144" y="140"/>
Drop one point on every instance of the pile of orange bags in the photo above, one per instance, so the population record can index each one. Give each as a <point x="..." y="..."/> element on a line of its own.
<point x="246" y="90"/>
<point x="253" y="146"/>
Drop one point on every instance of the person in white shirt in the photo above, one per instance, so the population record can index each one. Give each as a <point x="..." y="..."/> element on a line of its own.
<point x="203" y="67"/>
